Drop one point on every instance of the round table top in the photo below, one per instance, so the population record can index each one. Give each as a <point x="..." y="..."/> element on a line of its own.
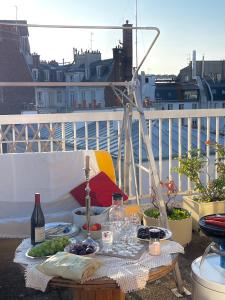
<point x="154" y="274"/>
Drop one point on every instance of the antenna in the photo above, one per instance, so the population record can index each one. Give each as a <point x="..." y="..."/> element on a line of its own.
<point x="91" y="40"/>
<point x="16" y="14"/>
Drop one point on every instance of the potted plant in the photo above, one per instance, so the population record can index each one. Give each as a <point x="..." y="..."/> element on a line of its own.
<point x="209" y="195"/>
<point x="179" y="219"/>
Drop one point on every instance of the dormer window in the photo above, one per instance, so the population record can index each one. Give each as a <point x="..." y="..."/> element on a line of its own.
<point x="59" y="75"/>
<point x="35" y="74"/>
<point x="46" y="75"/>
<point x="87" y="73"/>
<point x="99" y="71"/>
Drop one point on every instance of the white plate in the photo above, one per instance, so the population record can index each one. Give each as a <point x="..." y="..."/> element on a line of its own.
<point x="167" y="232"/>
<point x="42" y="257"/>
<point x="73" y="229"/>
<point x="36" y="257"/>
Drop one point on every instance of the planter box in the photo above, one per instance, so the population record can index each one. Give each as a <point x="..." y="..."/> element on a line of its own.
<point x="198" y="209"/>
<point x="181" y="229"/>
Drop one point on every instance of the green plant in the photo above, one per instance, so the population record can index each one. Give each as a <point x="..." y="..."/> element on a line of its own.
<point x="173" y="211"/>
<point x="193" y="165"/>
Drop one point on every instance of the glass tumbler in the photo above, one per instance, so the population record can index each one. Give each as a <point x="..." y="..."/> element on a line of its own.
<point x="107" y="237"/>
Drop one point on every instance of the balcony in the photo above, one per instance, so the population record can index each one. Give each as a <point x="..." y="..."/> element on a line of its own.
<point x="172" y="133"/>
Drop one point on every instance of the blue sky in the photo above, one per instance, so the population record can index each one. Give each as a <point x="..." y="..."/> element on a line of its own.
<point x="184" y="26"/>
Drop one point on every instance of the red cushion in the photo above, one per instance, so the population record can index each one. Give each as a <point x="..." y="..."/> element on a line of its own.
<point x="102" y="188"/>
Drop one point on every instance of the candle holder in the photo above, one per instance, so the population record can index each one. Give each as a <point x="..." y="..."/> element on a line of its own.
<point x="89" y="239"/>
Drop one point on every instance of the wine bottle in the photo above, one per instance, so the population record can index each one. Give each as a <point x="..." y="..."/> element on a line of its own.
<point x="37" y="222"/>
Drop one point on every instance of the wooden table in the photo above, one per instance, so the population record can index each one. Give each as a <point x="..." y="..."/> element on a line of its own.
<point x="106" y="288"/>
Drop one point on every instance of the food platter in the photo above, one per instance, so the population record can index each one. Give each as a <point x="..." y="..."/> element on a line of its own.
<point x="167" y="233"/>
<point x="48" y="247"/>
<point x="36" y="257"/>
<point x="61" y="229"/>
<point x="212" y="230"/>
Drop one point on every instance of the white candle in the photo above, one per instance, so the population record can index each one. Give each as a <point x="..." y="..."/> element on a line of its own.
<point x="154" y="248"/>
<point x="87" y="160"/>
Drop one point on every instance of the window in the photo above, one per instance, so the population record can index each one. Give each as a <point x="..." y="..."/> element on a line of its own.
<point x="215" y="105"/>
<point x="181" y="106"/>
<point x="87" y="73"/>
<point x="146" y="79"/>
<point x="194" y="123"/>
<point x="223" y="92"/>
<point x="223" y="105"/>
<point x="82" y="95"/>
<point x="1" y="95"/>
<point x="98" y="71"/>
<point x="51" y="99"/>
<point x="157" y="95"/>
<point x="170" y="106"/>
<point x="191" y="95"/>
<point x="59" y="75"/>
<point x="213" y="91"/>
<point x="46" y="75"/>
<point x="73" y="98"/>
<point x="218" y="77"/>
<point x="194" y="105"/>
<point x="59" y="97"/>
<point x="169" y="95"/>
<point x="35" y="74"/>
<point x="39" y="98"/>
<point x="92" y="94"/>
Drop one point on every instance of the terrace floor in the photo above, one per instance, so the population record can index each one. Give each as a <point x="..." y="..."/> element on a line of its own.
<point x="12" y="285"/>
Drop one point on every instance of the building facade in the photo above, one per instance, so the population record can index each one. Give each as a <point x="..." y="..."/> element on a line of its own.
<point x="14" y="57"/>
<point x="87" y="66"/>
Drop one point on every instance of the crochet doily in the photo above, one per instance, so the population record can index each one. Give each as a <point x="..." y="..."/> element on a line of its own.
<point x="129" y="274"/>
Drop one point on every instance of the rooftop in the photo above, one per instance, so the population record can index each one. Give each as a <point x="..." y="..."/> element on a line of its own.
<point x="12" y="278"/>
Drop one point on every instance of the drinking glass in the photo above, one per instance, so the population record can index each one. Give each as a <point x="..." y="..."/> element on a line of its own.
<point x="107" y="237"/>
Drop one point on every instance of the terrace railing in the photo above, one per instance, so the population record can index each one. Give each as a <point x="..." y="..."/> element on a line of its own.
<point x="172" y="133"/>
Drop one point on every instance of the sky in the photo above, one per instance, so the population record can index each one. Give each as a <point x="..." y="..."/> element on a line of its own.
<point x="184" y="26"/>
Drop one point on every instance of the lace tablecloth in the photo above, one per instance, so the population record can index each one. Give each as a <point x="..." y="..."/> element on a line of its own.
<point x="130" y="275"/>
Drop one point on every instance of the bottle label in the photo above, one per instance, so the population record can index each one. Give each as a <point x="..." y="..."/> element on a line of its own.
<point x="39" y="234"/>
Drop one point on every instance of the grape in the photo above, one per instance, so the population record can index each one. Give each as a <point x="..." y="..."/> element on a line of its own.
<point x="49" y="247"/>
<point x="144" y="233"/>
<point x="81" y="249"/>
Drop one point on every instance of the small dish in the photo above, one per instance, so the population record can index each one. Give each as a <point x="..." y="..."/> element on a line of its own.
<point x="99" y="214"/>
<point x="168" y="233"/>
<point x="76" y="246"/>
<point x="60" y="229"/>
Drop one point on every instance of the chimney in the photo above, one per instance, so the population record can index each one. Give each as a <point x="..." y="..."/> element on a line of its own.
<point x="203" y="66"/>
<point x="194" y="64"/>
<point x="128" y="50"/>
<point x="36" y="60"/>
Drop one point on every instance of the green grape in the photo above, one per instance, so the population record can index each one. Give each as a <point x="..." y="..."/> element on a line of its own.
<point x="49" y="247"/>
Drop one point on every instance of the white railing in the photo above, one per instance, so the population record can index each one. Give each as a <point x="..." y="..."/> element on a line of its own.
<point x="172" y="133"/>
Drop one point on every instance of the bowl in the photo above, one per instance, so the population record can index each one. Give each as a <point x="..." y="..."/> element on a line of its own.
<point x="69" y="248"/>
<point x="99" y="218"/>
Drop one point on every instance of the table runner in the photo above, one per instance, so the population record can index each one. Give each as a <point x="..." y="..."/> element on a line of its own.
<point x="130" y="275"/>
